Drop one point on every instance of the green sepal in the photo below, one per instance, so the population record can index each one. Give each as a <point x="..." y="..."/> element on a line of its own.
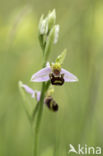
<point x="61" y="57"/>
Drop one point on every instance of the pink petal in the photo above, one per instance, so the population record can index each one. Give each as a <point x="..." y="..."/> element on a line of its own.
<point x="42" y="75"/>
<point x="28" y="90"/>
<point x="68" y="77"/>
<point x="34" y="93"/>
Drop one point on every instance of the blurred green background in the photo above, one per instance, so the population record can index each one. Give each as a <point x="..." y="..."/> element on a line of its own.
<point x="80" y="116"/>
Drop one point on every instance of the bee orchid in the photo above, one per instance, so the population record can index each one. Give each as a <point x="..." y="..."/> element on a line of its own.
<point x="55" y="74"/>
<point x="48" y="100"/>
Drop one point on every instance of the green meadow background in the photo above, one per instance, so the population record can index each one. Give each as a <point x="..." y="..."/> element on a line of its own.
<point x="80" y="116"/>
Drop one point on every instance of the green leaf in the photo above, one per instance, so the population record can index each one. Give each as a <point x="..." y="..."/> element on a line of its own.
<point x="61" y="57"/>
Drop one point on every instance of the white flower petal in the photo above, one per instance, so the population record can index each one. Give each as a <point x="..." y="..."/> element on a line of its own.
<point x="68" y="77"/>
<point x="42" y="75"/>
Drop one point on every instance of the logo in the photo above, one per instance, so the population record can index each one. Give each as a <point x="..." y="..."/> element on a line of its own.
<point x="84" y="149"/>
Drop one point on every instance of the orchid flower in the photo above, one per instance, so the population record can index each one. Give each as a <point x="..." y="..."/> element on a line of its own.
<point x="49" y="101"/>
<point x="55" y="74"/>
<point x="34" y="93"/>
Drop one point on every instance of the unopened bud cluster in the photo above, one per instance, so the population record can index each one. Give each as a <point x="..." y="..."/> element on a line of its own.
<point x="48" y="30"/>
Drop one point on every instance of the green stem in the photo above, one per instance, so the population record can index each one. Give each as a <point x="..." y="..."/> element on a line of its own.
<point x="45" y="87"/>
<point x="39" y="116"/>
<point x="39" y="110"/>
<point x="34" y="112"/>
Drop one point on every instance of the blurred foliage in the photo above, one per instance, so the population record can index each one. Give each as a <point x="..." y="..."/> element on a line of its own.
<point x="79" y="119"/>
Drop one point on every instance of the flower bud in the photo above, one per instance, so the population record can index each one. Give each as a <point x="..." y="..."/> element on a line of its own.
<point x="47" y="23"/>
<point x="48" y="32"/>
<point x="51" y="19"/>
<point x="56" y="35"/>
<point x="43" y="26"/>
